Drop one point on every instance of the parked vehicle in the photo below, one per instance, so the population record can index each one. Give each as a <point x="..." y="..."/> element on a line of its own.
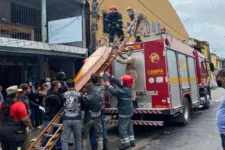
<point x="172" y="81"/>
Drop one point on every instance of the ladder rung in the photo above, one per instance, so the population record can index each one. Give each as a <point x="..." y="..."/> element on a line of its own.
<point x="49" y="135"/>
<point x="56" y="124"/>
<point x="38" y="147"/>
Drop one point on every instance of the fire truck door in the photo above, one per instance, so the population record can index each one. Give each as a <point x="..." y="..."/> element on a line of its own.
<point x="173" y="79"/>
<point x="193" y="79"/>
<point x="119" y="70"/>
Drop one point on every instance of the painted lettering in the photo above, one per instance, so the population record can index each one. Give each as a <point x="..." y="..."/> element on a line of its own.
<point x="136" y="46"/>
<point x="148" y="30"/>
<point x="153" y="27"/>
<point x="159" y="28"/>
<point x="155" y="72"/>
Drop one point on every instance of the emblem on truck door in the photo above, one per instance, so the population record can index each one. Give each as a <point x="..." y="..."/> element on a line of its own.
<point x="154" y="57"/>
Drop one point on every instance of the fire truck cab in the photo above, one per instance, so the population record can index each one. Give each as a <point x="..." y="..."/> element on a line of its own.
<point x="172" y="81"/>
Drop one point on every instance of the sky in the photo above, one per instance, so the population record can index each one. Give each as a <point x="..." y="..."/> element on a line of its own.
<point x="204" y="20"/>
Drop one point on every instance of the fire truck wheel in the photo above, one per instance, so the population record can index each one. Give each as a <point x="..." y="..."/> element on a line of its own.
<point x="184" y="118"/>
<point x="207" y="99"/>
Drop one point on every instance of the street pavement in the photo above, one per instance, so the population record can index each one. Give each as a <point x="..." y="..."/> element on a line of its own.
<point x="200" y="134"/>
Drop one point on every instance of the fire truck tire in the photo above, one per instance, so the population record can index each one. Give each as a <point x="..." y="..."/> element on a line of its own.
<point x="207" y="104"/>
<point x="184" y="118"/>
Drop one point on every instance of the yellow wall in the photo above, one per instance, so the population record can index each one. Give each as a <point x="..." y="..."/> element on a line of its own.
<point x="162" y="8"/>
<point x="214" y="61"/>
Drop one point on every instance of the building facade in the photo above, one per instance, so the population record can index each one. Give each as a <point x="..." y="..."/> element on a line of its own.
<point x="166" y="17"/>
<point x="25" y="52"/>
<point x="217" y="62"/>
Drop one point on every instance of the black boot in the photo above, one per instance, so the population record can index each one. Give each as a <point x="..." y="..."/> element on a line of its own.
<point x="135" y="105"/>
<point x="138" y="39"/>
<point x="105" y="144"/>
<point x="132" y="144"/>
<point x="94" y="147"/>
<point x="124" y="147"/>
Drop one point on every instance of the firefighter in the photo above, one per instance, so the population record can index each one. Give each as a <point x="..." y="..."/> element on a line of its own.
<point x="130" y="60"/>
<point x="125" y="108"/>
<point x="138" y="23"/>
<point x="115" y="24"/>
<point x="13" y="121"/>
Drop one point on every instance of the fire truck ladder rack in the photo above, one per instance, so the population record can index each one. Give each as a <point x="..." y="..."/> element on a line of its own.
<point x="98" y="62"/>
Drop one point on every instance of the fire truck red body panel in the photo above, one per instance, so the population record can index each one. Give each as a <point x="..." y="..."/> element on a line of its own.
<point x="169" y="71"/>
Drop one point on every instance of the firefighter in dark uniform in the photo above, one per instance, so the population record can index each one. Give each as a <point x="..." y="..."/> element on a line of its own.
<point x="125" y="108"/>
<point x="13" y="121"/>
<point x="115" y="24"/>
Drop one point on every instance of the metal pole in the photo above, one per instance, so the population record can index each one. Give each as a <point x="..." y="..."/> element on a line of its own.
<point x="84" y="25"/>
<point x="94" y="25"/>
<point x="43" y="21"/>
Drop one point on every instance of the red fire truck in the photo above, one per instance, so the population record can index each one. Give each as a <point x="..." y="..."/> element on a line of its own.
<point x="172" y="81"/>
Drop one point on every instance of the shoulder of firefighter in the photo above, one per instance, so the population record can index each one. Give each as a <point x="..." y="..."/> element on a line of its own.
<point x="138" y="16"/>
<point x="123" y="94"/>
<point x="92" y="106"/>
<point x="114" y="19"/>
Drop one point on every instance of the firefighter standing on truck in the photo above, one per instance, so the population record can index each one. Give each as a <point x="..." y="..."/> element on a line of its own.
<point x="138" y="23"/>
<point x="125" y="108"/>
<point x="115" y="24"/>
<point x="13" y="121"/>
<point x="130" y="60"/>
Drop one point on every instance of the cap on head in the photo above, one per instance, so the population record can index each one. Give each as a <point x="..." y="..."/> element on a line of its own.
<point x="129" y="48"/>
<point x="130" y="9"/>
<point x="13" y="89"/>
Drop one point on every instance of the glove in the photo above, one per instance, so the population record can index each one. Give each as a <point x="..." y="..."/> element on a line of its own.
<point x="101" y="74"/>
<point x="42" y="109"/>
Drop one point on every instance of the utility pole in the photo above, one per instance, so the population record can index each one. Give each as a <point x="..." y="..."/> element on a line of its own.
<point x="43" y="21"/>
<point x="94" y="25"/>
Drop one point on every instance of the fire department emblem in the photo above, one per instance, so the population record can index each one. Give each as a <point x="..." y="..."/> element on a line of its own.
<point x="154" y="58"/>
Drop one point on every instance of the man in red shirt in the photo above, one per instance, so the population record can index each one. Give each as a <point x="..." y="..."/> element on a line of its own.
<point x="13" y="121"/>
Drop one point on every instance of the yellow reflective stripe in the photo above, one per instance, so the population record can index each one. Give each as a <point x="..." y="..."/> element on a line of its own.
<point x="19" y="148"/>
<point x="181" y="80"/>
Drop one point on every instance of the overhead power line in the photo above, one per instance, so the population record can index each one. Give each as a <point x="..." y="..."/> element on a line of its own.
<point x="219" y="43"/>
<point x="218" y="14"/>
<point x="161" y="19"/>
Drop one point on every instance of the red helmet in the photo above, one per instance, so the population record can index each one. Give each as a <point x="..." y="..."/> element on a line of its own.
<point x="127" y="80"/>
<point x="85" y="60"/>
<point x="113" y="7"/>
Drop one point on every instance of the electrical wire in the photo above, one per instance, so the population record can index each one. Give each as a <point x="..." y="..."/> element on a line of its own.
<point x="218" y="14"/>
<point x="57" y="31"/>
<point x="219" y="43"/>
<point x="161" y="19"/>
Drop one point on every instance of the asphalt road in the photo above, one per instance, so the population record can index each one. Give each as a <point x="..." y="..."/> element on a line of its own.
<point x="200" y="134"/>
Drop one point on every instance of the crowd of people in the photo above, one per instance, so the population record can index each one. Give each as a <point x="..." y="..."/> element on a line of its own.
<point x="25" y="108"/>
